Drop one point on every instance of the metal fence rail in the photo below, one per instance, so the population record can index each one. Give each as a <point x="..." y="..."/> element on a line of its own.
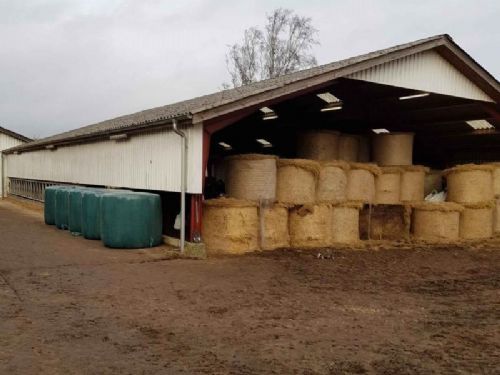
<point x="28" y="189"/>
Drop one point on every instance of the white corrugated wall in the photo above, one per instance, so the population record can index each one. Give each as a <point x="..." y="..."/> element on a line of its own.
<point x="424" y="71"/>
<point x="149" y="161"/>
<point x="6" y="142"/>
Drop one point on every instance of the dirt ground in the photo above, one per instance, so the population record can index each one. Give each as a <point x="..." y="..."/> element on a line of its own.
<point x="71" y="306"/>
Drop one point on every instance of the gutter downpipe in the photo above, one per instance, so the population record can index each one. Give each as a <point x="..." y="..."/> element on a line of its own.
<point x="183" y="182"/>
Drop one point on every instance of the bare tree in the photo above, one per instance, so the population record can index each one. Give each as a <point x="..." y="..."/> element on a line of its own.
<point x="283" y="47"/>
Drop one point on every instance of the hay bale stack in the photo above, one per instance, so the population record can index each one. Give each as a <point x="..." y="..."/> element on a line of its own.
<point x="388" y="185"/>
<point x="348" y="147"/>
<point x="310" y="226"/>
<point x="393" y="149"/>
<point x="496" y="178"/>
<point x="413" y="183"/>
<point x="476" y="221"/>
<point x="436" y="222"/>
<point x="296" y="182"/>
<point x="361" y="182"/>
<point x="274" y="227"/>
<point x="385" y="222"/>
<point x="251" y="176"/>
<point x="345" y="223"/>
<point x="332" y="182"/>
<point x="318" y="145"/>
<point x="230" y="226"/>
<point x="433" y="181"/>
<point x="470" y="183"/>
<point x="496" y="219"/>
<point x="364" y="149"/>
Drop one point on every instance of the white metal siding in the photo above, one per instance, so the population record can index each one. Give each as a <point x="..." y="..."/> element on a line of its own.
<point x="6" y="142"/>
<point x="424" y="71"/>
<point x="149" y="161"/>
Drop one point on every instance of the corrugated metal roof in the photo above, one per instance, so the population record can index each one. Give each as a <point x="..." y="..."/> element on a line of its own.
<point x="211" y="101"/>
<point x="15" y="135"/>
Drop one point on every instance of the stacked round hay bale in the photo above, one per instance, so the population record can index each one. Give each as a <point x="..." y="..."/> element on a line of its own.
<point x="318" y="145"/>
<point x="496" y="178"/>
<point x="476" y="221"/>
<point x="274" y="226"/>
<point x="388" y="185"/>
<point x="413" y="183"/>
<point x="361" y="182"/>
<point x="345" y="222"/>
<point x="433" y="181"/>
<point x="296" y="181"/>
<point x="393" y="149"/>
<point x="364" y="149"/>
<point x="470" y="183"/>
<point x="310" y="226"/>
<point x="332" y="181"/>
<point x="436" y="222"/>
<point x="230" y="225"/>
<point x="348" y="147"/>
<point x="251" y="177"/>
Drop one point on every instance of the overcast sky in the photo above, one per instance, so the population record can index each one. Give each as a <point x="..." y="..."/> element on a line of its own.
<point x="69" y="63"/>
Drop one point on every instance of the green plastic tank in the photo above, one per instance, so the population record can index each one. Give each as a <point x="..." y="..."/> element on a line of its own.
<point x="75" y="210"/>
<point x="91" y="217"/>
<point x="62" y="207"/>
<point x="49" y="207"/>
<point x="131" y="220"/>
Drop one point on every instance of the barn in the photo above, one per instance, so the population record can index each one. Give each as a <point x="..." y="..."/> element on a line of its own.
<point x="430" y="87"/>
<point x="9" y="139"/>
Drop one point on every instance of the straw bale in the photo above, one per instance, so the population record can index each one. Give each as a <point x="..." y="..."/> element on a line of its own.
<point x="361" y="182"/>
<point x="348" y="147"/>
<point x="438" y="206"/>
<point x="345" y="223"/>
<point x="230" y="226"/>
<point x="496" y="178"/>
<point x="318" y="145"/>
<point x="496" y="221"/>
<point x="364" y="149"/>
<point x="437" y="222"/>
<point x="413" y="183"/>
<point x="296" y="182"/>
<point x="470" y="183"/>
<point x="476" y="221"/>
<point x="385" y="222"/>
<point x="332" y="182"/>
<point x="274" y="227"/>
<point x="433" y="181"/>
<point x="310" y="226"/>
<point x="388" y="186"/>
<point x="393" y="148"/>
<point x="251" y="176"/>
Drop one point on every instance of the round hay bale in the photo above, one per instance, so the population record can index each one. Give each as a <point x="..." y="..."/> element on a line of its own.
<point x="251" y="177"/>
<point x="433" y="181"/>
<point x="332" y="182"/>
<point x="436" y="222"/>
<point x="496" y="219"/>
<point x="310" y="226"/>
<point x="345" y="223"/>
<point x="230" y="226"/>
<point x="318" y="145"/>
<point x="274" y="227"/>
<point x="361" y="182"/>
<point x="476" y="221"/>
<point x="296" y="182"/>
<point x="470" y="183"/>
<point x="348" y="147"/>
<point x="388" y="185"/>
<point x="364" y="149"/>
<point x="393" y="149"/>
<point x="413" y="183"/>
